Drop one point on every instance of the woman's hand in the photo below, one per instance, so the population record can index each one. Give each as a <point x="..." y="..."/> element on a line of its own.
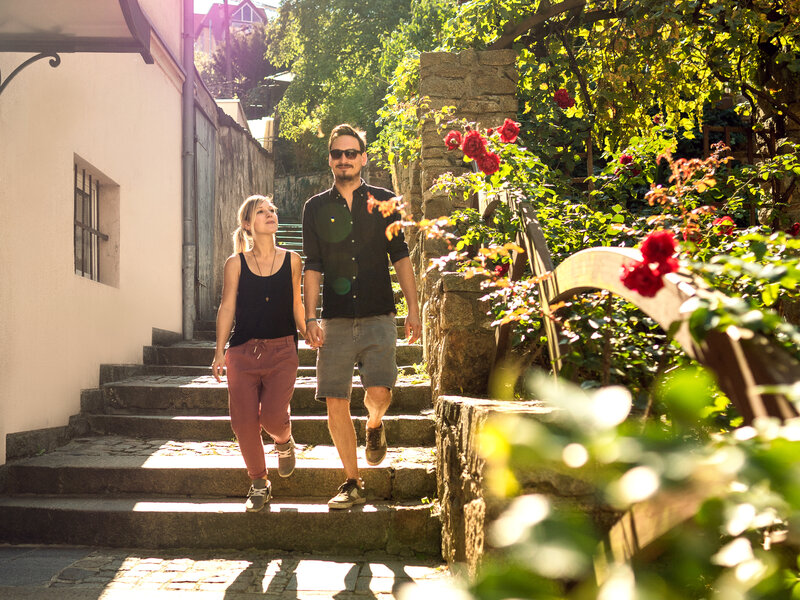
<point x="315" y="336"/>
<point x="218" y="366"/>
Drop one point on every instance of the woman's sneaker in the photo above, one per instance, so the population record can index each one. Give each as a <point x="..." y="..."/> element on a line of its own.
<point x="350" y="493"/>
<point x="259" y="494"/>
<point x="285" y="458"/>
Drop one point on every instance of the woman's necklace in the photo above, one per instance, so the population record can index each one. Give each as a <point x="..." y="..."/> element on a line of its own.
<point x="266" y="283"/>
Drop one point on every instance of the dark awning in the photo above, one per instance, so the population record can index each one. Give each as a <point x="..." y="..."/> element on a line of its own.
<point x="59" y="26"/>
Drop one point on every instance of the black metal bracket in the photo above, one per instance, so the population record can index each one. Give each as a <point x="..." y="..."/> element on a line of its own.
<point x="55" y="60"/>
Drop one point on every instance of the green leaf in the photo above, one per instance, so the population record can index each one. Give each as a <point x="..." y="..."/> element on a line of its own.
<point x="769" y="295"/>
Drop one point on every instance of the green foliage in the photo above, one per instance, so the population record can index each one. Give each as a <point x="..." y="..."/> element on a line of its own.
<point x="624" y="61"/>
<point x="334" y="49"/>
<point x="746" y="487"/>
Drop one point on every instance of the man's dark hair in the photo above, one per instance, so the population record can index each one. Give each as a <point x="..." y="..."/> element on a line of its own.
<point x="345" y="129"/>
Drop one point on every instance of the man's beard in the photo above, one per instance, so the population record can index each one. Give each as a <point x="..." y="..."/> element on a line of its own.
<point x="346" y="177"/>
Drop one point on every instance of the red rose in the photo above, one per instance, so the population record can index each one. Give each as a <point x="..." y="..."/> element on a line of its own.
<point x="725" y="225"/>
<point x="668" y="266"/>
<point x="474" y="145"/>
<point x="452" y="140"/>
<point x="563" y="99"/>
<point x="656" y="119"/>
<point x="625" y="159"/>
<point x="642" y="278"/>
<point x="509" y="131"/>
<point x="490" y="131"/>
<point x="658" y="246"/>
<point x="635" y="171"/>
<point x="489" y="163"/>
<point x="501" y="269"/>
<point x="794" y="230"/>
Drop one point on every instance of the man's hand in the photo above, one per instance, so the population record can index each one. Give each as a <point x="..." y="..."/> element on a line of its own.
<point x="413" y="328"/>
<point x="315" y="336"/>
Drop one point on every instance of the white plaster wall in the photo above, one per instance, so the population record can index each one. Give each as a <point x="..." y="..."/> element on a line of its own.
<point x="123" y="117"/>
<point x="163" y="15"/>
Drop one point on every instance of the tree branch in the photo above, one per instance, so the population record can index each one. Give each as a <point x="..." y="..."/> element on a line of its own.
<point x="573" y="63"/>
<point x="513" y="30"/>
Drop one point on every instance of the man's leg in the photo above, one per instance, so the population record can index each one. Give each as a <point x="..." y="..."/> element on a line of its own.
<point x="343" y="434"/>
<point x="377" y="400"/>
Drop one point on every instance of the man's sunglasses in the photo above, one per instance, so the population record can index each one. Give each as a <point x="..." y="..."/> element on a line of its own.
<point x="350" y="154"/>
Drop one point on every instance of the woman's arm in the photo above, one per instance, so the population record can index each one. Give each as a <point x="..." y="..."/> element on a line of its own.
<point x="297" y="303"/>
<point x="226" y="312"/>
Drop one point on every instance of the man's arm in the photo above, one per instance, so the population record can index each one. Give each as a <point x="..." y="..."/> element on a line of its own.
<point x="405" y="277"/>
<point x="314" y="334"/>
<point x="312" y="276"/>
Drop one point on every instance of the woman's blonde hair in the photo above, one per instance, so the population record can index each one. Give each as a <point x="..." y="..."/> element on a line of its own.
<point x="243" y="238"/>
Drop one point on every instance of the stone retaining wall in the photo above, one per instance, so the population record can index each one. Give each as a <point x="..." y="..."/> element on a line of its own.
<point x="467" y="509"/>
<point x="459" y="339"/>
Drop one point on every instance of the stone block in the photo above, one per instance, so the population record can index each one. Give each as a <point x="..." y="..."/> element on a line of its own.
<point x="441" y="154"/>
<point x="435" y="206"/>
<point x="442" y="87"/>
<point x="456" y="282"/>
<point x="456" y="311"/>
<point x="468" y="58"/>
<point x="438" y="103"/>
<point x="493" y="84"/>
<point x="479" y="107"/>
<point x="474" y="533"/>
<point x="466" y="358"/>
<point x="452" y="71"/>
<point x="497" y="57"/>
<point x="432" y="59"/>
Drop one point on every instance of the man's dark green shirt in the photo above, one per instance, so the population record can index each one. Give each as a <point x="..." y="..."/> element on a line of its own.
<point x="351" y="250"/>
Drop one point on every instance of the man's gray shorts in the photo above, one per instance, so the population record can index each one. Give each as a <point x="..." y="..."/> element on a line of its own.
<point x="369" y="342"/>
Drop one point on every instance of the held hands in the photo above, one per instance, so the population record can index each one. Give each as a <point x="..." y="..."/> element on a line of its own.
<point x="218" y="366"/>
<point x="315" y="336"/>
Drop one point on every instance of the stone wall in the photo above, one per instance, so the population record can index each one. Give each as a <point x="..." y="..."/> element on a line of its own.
<point x="467" y="509"/>
<point x="292" y="191"/>
<point x="459" y="338"/>
<point x="244" y="168"/>
<point x="481" y="85"/>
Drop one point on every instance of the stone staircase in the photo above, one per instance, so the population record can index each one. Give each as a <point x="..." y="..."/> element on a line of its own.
<point x="161" y="468"/>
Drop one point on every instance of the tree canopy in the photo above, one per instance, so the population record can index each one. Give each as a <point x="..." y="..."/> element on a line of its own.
<point x="342" y="55"/>
<point x="249" y="68"/>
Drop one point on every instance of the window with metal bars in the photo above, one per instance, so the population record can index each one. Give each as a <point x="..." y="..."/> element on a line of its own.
<point x="88" y="236"/>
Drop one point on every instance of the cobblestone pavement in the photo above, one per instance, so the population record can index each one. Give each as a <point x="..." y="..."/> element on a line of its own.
<point x="51" y="572"/>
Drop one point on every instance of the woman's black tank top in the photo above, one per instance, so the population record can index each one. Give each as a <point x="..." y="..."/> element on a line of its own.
<point x="255" y="316"/>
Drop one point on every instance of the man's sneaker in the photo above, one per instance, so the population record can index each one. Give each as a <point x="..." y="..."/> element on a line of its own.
<point x="259" y="494"/>
<point x="376" y="445"/>
<point x="285" y="458"/>
<point x="350" y="493"/>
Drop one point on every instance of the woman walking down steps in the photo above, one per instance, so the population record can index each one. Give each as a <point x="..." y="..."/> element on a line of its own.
<point x="261" y="290"/>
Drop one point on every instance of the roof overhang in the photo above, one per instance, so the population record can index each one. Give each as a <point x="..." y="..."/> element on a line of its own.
<point x="62" y="26"/>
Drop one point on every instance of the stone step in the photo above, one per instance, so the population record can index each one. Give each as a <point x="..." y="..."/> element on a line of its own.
<point x="184" y="395"/>
<point x="286" y="524"/>
<point x="109" y="373"/>
<point x="201" y="353"/>
<point x="401" y="430"/>
<point x="113" y="465"/>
